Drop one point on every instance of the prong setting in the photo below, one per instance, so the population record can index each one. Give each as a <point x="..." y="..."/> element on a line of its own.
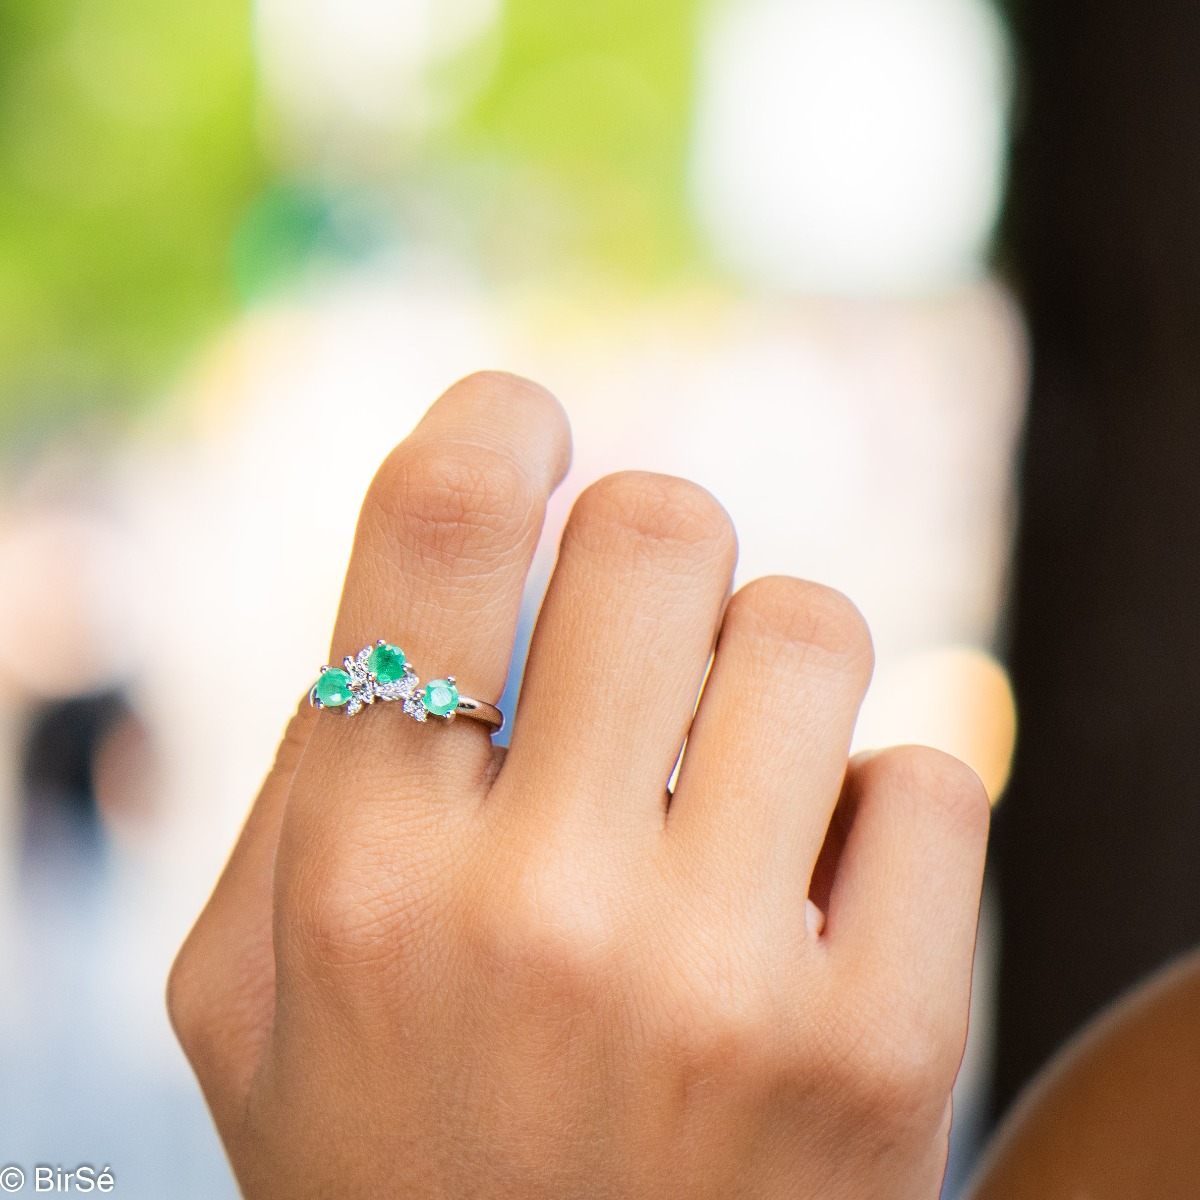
<point x="382" y="672"/>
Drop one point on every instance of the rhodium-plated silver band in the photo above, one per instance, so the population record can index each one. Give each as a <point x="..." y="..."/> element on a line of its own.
<point x="467" y="706"/>
<point x="480" y="710"/>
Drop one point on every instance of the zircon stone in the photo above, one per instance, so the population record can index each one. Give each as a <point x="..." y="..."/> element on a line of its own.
<point x="441" y="697"/>
<point x="333" y="688"/>
<point x="386" y="663"/>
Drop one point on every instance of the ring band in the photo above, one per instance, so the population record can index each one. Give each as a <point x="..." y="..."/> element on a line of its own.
<point x="382" y="672"/>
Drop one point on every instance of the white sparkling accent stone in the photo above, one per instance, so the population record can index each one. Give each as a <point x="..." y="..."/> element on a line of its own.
<point x="353" y="705"/>
<point x="399" y="689"/>
<point x="415" y="708"/>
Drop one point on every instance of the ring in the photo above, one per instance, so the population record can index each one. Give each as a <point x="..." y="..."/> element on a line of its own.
<point x="382" y="672"/>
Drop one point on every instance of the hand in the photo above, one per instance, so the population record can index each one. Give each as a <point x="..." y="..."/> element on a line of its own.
<point x="430" y="970"/>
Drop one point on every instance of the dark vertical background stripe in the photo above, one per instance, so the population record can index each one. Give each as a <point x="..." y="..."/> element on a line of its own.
<point x="1097" y="846"/>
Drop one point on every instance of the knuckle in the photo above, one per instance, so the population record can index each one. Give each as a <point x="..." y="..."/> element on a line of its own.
<point x="452" y="499"/>
<point x="493" y="388"/>
<point x="545" y="938"/>
<point x="796" y="612"/>
<point x="939" y="781"/>
<point x="725" y="1015"/>
<point x="499" y="398"/>
<point x="732" y="1037"/>
<point x="334" y="922"/>
<point x="663" y="510"/>
<point x="895" y="1072"/>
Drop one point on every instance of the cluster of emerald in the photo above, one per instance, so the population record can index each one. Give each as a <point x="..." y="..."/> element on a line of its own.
<point x="381" y="672"/>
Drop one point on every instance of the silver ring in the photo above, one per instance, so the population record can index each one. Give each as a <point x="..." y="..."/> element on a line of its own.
<point x="382" y="672"/>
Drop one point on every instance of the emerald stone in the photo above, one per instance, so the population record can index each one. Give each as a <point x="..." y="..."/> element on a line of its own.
<point x="441" y="697"/>
<point x="386" y="663"/>
<point x="333" y="688"/>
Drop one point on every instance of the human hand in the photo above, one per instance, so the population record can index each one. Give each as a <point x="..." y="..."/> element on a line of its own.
<point x="431" y="969"/>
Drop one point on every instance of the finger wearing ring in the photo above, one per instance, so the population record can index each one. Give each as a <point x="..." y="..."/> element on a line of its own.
<point x="382" y="672"/>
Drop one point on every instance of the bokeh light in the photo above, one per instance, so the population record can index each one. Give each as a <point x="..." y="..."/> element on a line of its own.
<point x="355" y="83"/>
<point x="852" y="146"/>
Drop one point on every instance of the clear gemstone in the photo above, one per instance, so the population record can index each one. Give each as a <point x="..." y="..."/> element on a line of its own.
<point x="415" y="708"/>
<point x="401" y="689"/>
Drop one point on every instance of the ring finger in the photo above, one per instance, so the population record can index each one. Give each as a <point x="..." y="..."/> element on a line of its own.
<point x="444" y="542"/>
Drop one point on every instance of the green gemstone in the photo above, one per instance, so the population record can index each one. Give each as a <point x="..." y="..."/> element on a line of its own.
<point x="441" y="697"/>
<point x="333" y="688"/>
<point x="386" y="663"/>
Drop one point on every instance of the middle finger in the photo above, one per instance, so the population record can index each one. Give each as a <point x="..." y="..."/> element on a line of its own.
<point x="621" y="647"/>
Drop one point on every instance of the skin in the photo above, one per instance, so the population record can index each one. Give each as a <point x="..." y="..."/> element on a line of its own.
<point x="1114" y="1115"/>
<point x="430" y="970"/>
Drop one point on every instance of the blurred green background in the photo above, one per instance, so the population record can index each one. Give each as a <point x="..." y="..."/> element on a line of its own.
<point x="142" y="200"/>
<point x="128" y="157"/>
